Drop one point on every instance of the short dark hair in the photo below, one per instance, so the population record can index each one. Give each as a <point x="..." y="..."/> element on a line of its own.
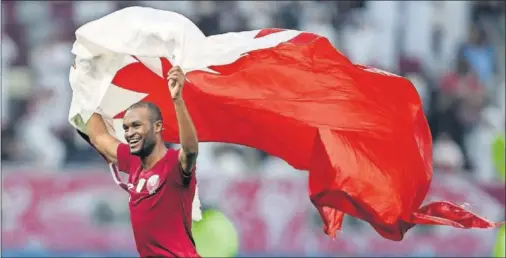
<point x="154" y="112"/>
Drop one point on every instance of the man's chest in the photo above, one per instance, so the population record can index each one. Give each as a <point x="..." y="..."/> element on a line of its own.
<point x="145" y="186"/>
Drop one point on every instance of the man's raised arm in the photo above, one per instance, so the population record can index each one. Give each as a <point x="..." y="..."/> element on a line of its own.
<point x="187" y="132"/>
<point x="100" y="138"/>
<point x="187" y="137"/>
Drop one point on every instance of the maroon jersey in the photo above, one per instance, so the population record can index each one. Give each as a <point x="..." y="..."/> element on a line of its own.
<point x="160" y="205"/>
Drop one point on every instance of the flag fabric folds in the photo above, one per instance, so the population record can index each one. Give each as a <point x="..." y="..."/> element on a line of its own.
<point x="359" y="131"/>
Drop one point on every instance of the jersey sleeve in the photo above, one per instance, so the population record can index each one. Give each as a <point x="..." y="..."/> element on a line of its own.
<point x="185" y="179"/>
<point x="180" y="177"/>
<point x="124" y="158"/>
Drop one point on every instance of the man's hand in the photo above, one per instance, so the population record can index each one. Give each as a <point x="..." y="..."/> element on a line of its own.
<point x="176" y="80"/>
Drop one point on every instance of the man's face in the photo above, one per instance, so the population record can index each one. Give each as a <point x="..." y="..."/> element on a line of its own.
<point x="139" y="131"/>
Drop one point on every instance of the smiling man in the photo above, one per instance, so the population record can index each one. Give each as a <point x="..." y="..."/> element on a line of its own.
<point x="161" y="181"/>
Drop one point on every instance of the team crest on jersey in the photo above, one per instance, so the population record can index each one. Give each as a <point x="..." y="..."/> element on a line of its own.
<point x="153" y="183"/>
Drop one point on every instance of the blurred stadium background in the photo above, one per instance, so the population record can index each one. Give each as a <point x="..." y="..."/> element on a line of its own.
<point x="58" y="197"/>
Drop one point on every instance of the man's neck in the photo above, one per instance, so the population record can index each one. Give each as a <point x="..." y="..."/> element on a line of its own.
<point x="156" y="155"/>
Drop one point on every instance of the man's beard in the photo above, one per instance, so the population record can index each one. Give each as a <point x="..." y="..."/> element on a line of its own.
<point x="147" y="146"/>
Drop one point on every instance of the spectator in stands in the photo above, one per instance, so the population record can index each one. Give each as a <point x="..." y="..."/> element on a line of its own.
<point x="9" y="54"/>
<point x="460" y="91"/>
<point x="358" y="39"/>
<point x="423" y="88"/>
<point x="10" y="148"/>
<point x="447" y="156"/>
<point x="317" y="19"/>
<point x="489" y="10"/>
<point x="480" y="54"/>
<point x="45" y="126"/>
<point x="288" y="15"/>
<point x="234" y="20"/>
<point x="230" y="160"/>
<point x="480" y="141"/>
<point x="500" y="100"/>
<point x="208" y="17"/>
<point x="462" y="81"/>
<point x="41" y="146"/>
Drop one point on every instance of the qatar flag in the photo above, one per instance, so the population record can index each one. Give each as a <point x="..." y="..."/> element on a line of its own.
<point x="359" y="131"/>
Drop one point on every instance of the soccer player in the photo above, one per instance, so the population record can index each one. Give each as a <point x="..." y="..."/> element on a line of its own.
<point x="161" y="181"/>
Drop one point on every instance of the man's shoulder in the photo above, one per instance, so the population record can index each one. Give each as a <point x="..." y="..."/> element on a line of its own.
<point x="172" y="153"/>
<point x="170" y="159"/>
<point x="172" y="168"/>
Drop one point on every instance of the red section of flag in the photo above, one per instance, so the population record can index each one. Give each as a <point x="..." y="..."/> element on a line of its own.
<point x="360" y="132"/>
<point x="137" y="77"/>
<point x="265" y="32"/>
